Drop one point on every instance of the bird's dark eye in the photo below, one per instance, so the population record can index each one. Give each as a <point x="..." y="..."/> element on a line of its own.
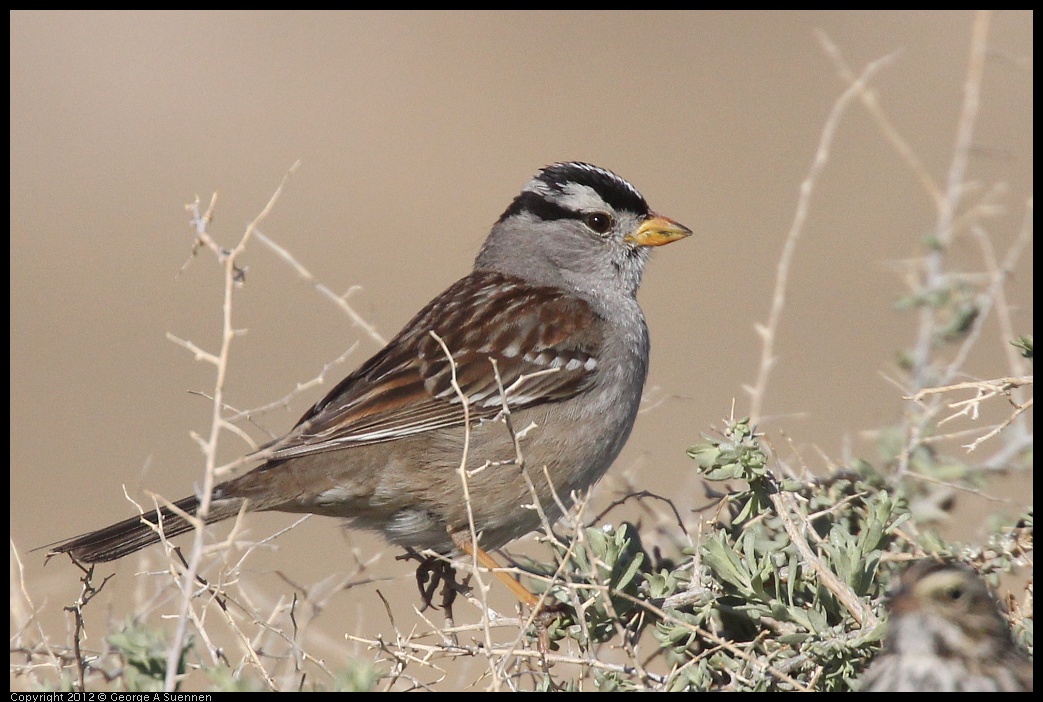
<point x="954" y="593"/>
<point x="600" y="222"/>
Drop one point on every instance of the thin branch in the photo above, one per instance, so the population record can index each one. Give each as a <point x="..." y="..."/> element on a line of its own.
<point x="340" y="300"/>
<point x="769" y="331"/>
<point x="934" y="276"/>
<point x="231" y="279"/>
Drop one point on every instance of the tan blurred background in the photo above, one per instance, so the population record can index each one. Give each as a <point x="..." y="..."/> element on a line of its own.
<point x="414" y="131"/>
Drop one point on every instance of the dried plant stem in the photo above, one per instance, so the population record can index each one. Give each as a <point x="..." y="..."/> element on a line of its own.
<point x="232" y="275"/>
<point x="768" y="332"/>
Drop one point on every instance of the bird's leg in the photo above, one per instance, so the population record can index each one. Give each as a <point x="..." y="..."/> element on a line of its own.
<point x="464" y="543"/>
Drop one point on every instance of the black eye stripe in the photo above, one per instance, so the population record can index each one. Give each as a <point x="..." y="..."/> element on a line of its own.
<point x="540" y="206"/>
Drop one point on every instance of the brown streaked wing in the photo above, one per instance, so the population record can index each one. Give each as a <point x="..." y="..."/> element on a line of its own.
<point x="542" y="340"/>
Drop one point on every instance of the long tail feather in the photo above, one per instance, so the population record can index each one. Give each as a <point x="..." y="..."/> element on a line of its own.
<point x="131" y="535"/>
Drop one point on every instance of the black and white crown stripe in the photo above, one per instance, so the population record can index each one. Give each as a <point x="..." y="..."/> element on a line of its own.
<point x="541" y="196"/>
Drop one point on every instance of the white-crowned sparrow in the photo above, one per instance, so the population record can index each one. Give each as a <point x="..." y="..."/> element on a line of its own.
<point x="547" y="324"/>
<point x="946" y="634"/>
